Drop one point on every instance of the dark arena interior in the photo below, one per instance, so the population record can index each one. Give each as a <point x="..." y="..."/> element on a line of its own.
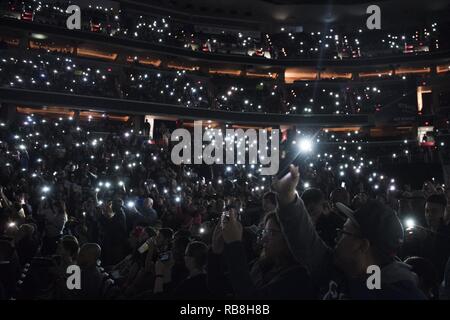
<point x="207" y="151"/>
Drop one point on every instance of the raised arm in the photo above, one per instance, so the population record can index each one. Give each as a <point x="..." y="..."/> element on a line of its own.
<point x="302" y="237"/>
<point x="241" y="281"/>
<point x="218" y="283"/>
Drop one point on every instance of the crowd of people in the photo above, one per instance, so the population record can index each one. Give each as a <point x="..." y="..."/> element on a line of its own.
<point x="102" y="193"/>
<point x="362" y="98"/>
<point x="140" y="227"/>
<point x="47" y="71"/>
<point x="283" y="44"/>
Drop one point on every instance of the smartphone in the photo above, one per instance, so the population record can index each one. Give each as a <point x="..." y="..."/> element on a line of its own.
<point x="291" y="158"/>
<point x="165" y="256"/>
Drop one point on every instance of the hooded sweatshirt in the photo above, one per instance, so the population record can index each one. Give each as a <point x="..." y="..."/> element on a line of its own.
<point x="397" y="281"/>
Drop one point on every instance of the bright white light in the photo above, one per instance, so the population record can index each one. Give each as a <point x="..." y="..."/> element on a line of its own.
<point x="392" y="188"/>
<point x="202" y="230"/>
<point x="306" y="185"/>
<point x="107" y="184"/>
<point x="177" y="199"/>
<point x="305" y="145"/>
<point x="45" y="189"/>
<point x="410" y="223"/>
<point x="130" y="204"/>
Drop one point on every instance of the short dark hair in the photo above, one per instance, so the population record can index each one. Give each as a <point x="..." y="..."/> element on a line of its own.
<point x="199" y="252"/>
<point x="70" y="244"/>
<point x="340" y="195"/>
<point x="312" y="195"/>
<point x="183" y="233"/>
<point x="181" y="242"/>
<point x="426" y="272"/>
<point x="270" y="196"/>
<point x="438" y="198"/>
<point x="167" y="233"/>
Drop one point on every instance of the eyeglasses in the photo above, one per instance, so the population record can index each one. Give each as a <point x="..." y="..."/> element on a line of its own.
<point x="340" y="232"/>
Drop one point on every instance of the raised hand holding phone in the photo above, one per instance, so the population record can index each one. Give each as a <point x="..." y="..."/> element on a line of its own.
<point x="232" y="228"/>
<point x="217" y="243"/>
<point x="286" y="186"/>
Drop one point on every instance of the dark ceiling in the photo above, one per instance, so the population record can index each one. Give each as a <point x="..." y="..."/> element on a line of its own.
<point x="273" y="13"/>
<point x="319" y="2"/>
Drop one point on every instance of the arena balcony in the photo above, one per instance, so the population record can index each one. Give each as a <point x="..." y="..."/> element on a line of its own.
<point x="40" y="98"/>
<point x="26" y="28"/>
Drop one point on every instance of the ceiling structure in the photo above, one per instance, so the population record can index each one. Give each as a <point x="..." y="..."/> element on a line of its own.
<point x="271" y="14"/>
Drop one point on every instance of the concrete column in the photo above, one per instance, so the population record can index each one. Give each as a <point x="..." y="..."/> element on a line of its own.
<point x="138" y="123"/>
<point x="435" y="99"/>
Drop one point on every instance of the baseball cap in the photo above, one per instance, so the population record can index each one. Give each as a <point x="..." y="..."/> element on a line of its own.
<point x="377" y="223"/>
